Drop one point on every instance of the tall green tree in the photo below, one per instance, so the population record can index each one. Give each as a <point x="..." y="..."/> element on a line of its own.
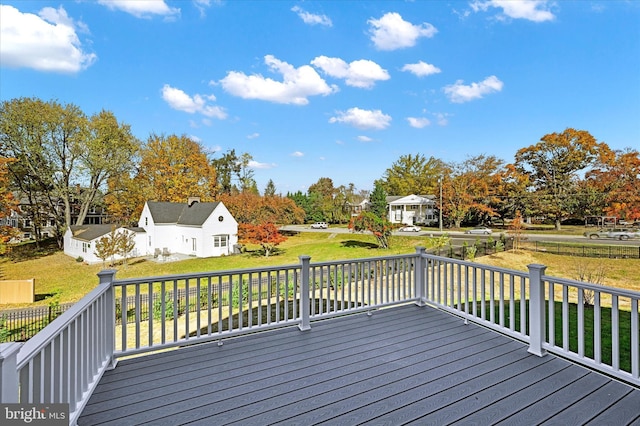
<point x="413" y="174"/>
<point x="378" y="200"/>
<point x="553" y="166"/>
<point x="270" y="189"/>
<point x="227" y="167"/>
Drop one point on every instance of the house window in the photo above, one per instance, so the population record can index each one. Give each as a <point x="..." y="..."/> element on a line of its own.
<point x="86" y="247"/>
<point x="220" y="240"/>
<point x="193" y="244"/>
<point x="146" y="221"/>
<point x="149" y="241"/>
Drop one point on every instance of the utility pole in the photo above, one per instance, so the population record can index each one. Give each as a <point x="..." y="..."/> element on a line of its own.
<point x="440" y="209"/>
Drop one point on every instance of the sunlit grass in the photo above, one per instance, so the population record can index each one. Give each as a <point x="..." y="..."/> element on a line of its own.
<point x="58" y="273"/>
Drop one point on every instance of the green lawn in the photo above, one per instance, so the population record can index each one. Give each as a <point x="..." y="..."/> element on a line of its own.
<point x="55" y="272"/>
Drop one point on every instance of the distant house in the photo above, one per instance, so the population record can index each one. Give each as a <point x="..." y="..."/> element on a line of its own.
<point x="192" y="229"/>
<point x="412" y="209"/>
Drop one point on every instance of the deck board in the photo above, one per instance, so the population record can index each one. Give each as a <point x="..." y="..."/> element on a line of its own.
<point x="397" y="366"/>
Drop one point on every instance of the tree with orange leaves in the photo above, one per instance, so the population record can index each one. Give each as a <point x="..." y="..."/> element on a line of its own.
<point x="617" y="179"/>
<point x="266" y="235"/>
<point x="553" y="165"/>
<point x="172" y="168"/>
<point x="8" y="203"/>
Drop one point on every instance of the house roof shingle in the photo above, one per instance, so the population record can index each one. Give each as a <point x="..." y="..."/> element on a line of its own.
<point x="196" y="214"/>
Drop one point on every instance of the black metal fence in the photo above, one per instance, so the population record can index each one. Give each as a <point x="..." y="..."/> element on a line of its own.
<point x="17" y="325"/>
<point x="477" y="249"/>
<point x="596" y="250"/>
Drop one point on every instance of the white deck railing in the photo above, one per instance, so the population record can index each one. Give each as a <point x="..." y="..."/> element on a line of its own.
<point x="65" y="361"/>
<point x="579" y="321"/>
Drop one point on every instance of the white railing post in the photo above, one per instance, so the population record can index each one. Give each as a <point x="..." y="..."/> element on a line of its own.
<point x="304" y="293"/>
<point x="107" y="276"/>
<point x="9" y="372"/>
<point x="420" y="277"/>
<point x="537" y="320"/>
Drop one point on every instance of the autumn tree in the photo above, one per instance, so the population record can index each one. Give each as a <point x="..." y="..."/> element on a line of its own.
<point x="125" y="244"/>
<point x="58" y="149"/>
<point x="8" y="202"/>
<point x="413" y="174"/>
<point x="172" y="168"/>
<point x="107" y="246"/>
<point x="266" y="235"/>
<point x="253" y="209"/>
<point x="553" y="166"/>
<point x="615" y="183"/>
<point x="469" y="189"/>
<point x="516" y="229"/>
<point x="380" y="227"/>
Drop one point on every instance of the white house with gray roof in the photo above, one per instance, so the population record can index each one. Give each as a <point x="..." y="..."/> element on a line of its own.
<point x="194" y="229"/>
<point x="80" y="241"/>
<point x="191" y="229"/>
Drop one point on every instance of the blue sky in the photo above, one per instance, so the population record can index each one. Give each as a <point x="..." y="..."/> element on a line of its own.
<point x="337" y="89"/>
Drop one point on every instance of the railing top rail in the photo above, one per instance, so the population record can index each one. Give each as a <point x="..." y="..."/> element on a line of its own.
<point x="364" y="259"/>
<point x="34" y="345"/>
<point x="192" y="275"/>
<point x="596" y="287"/>
<point x="477" y="265"/>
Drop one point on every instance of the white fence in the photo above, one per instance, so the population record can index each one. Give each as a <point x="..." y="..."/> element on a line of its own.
<point x="65" y="361"/>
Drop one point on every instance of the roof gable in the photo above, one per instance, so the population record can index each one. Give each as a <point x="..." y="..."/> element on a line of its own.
<point x="180" y="213"/>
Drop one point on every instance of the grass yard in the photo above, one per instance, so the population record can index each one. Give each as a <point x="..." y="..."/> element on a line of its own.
<point x="56" y="273"/>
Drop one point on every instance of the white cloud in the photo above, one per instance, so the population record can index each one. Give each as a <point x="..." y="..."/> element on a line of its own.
<point x="459" y="93"/>
<point x="363" y="138"/>
<point x="312" y="19"/>
<point x="531" y="10"/>
<point x="362" y="73"/>
<point x="141" y="8"/>
<point x="363" y="119"/>
<point x="418" y="122"/>
<point x="297" y="154"/>
<point x="256" y="165"/>
<point x="421" y="69"/>
<point x="391" y="32"/>
<point x="253" y="135"/>
<point x="177" y="99"/>
<point x="47" y="42"/>
<point x="297" y="84"/>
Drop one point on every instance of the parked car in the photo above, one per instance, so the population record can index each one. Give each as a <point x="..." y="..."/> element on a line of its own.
<point x="409" y="228"/>
<point x="624" y="235"/>
<point x="483" y="230"/>
<point x="617" y="233"/>
<point x="319" y="225"/>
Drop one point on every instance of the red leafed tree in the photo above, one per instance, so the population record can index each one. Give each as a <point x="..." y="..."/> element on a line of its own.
<point x="265" y="234"/>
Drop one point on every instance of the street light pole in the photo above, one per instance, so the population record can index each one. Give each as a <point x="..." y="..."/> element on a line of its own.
<point x="440" y="209"/>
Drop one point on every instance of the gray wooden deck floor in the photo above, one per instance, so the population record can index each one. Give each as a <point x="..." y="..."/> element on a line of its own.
<point x="398" y="366"/>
